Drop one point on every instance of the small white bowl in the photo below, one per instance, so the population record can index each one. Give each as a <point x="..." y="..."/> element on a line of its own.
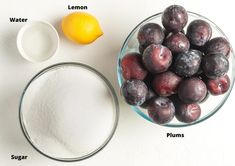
<point x="37" y="41"/>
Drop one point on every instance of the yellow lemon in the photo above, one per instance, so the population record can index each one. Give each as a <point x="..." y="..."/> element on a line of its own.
<point x="81" y="27"/>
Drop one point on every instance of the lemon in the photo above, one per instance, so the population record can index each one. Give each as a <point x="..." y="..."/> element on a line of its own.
<point x="81" y="27"/>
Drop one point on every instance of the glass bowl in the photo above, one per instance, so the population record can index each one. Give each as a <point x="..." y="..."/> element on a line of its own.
<point x="68" y="112"/>
<point x="212" y="104"/>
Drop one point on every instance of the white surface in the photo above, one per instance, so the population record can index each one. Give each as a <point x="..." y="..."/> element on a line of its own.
<point x="37" y="41"/>
<point x="136" y="141"/>
<point x="68" y="112"/>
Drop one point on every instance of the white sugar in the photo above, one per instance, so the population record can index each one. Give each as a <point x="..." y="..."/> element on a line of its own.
<point x="68" y="112"/>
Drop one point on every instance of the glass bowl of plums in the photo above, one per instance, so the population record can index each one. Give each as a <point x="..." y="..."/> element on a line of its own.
<point x="176" y="68"/>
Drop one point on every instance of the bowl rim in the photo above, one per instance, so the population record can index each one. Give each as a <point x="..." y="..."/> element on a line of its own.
<point x="137" y="110"/>
<point x="115" y="102"/>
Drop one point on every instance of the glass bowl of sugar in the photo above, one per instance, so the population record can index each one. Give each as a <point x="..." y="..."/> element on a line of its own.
<point x="68" y="111"/>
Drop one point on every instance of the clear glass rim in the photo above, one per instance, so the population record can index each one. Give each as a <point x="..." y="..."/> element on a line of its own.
<point x="115" y="100"/>
<point x="135" y="108"/>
